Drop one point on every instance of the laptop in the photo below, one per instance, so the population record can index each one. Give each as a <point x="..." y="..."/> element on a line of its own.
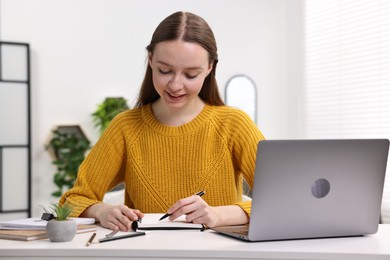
<point x="315" y="189"/>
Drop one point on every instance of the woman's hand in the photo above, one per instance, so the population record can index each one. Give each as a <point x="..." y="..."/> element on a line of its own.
<point x="198" y="211"/>
<point x="114" y="217"/>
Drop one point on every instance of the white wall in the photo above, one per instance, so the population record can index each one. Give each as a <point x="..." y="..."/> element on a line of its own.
<point x="86" y="50"/>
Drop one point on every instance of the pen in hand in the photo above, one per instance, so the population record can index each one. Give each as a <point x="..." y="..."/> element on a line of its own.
<point x="200" y="193"/>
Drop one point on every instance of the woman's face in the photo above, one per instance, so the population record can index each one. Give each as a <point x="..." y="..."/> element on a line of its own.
<point x="179" y="69"/>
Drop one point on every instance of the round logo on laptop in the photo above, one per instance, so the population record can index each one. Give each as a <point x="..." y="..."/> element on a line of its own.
<point x="320" y="188"/>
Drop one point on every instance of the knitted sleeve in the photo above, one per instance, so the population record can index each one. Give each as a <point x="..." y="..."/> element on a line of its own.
<point x="102" y="169"/>
<point x="244" y="141"/>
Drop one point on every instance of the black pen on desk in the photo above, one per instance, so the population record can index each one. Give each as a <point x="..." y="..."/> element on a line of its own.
<point x="112" y="238"/>
<point x="91" y="239"/>
<point x="200" y="193"/>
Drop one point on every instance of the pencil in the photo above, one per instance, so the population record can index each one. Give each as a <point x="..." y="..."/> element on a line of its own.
<point x="91" y="239"/>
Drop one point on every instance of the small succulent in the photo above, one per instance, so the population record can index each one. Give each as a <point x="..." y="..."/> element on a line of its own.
<point x="61" y="212"/>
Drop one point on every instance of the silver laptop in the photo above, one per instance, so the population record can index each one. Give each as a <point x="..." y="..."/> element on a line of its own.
<point x="315" y="188"/>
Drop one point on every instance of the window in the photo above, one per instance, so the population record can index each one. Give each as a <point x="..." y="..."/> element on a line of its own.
<point x="347" y="71"/>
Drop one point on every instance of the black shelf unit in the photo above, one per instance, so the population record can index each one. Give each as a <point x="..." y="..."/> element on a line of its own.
<point x="15" y="130"/>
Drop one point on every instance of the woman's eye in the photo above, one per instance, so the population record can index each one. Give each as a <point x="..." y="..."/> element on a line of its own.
<point x="164" y="71"/>
<point x="191" y="76"/>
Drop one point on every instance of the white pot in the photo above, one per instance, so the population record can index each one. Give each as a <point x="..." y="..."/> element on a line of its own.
<point x="61" y="231"/>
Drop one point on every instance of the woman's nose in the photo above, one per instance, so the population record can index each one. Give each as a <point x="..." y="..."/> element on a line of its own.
<point x="175" y="83"/>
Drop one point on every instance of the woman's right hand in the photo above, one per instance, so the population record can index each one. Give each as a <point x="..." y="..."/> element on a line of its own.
<point x="114" y="217"/>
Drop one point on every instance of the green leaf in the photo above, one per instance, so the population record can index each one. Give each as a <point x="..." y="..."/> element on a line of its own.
<point x="56" y="193"/>
<point x="70" y="150"/>
<point x="107" y="111"/>
<point x="61" y="212"/>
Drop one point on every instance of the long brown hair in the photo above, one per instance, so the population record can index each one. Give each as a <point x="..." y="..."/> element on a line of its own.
<point x="188" y="27"/>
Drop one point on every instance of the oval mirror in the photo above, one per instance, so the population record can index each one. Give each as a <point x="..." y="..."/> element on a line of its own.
<point x="240" y="91"/>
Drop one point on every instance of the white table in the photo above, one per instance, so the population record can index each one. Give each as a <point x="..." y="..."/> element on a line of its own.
<point x="200" y="245"/>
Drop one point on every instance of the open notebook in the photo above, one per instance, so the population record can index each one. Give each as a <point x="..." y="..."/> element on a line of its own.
<point x="151" y="222"/>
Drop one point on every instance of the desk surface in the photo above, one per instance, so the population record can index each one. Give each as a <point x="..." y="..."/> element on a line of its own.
<point x="200" y="245"/>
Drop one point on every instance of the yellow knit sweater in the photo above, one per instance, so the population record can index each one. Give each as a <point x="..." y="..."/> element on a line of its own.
<point x="161" y="164"/>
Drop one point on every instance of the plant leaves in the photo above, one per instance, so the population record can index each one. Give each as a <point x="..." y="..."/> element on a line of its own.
<point x="56" y="193"/>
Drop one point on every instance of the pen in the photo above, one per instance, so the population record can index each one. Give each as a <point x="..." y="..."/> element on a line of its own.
<point x="91" y="239"/>
<point x="200" y="193"/>
<point x="133" y="234"/>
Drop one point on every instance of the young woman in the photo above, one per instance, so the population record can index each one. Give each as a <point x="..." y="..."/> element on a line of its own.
<point x="178" y="140"/>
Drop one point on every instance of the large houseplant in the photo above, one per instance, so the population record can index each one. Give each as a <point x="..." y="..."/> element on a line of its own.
<point x="68" y="147"/>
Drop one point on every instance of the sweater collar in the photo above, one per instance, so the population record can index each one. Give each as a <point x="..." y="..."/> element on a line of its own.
<point x="192" y="126"/>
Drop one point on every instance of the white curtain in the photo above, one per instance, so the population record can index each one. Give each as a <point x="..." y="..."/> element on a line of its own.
<point x="347" y="72"/>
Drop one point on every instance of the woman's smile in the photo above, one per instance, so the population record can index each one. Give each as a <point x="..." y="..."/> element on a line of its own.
<point x="175" y="97"/>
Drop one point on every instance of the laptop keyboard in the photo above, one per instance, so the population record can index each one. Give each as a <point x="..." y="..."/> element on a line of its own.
<point x="241" y="232"/>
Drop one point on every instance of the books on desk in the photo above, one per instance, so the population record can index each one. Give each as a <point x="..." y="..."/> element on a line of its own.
<point x="35" y="228"/>
<point x="151" y="222"/>
<point x="31" y="234"/>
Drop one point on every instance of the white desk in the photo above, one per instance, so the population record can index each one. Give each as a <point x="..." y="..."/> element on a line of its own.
<point x="200" y="245"/>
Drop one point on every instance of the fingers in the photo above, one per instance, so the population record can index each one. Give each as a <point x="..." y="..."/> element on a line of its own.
<point x="119" y="217"/>
<point x="187" y="206"/>
<point x="196" y="211"/>
<point x="132" y="214"/>
<point x="179" y="208"/>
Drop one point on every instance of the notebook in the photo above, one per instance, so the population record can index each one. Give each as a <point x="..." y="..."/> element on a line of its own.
<point x="315" y="189"/>
<point x="152" y="221"/>
<point x="35" y="234"/>
<point x="36" y="223"/>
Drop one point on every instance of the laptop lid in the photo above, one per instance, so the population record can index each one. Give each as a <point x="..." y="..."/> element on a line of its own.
<point x="317" y="188"/>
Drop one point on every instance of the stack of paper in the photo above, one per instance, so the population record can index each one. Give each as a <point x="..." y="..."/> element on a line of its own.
<point x="37" y="223"/>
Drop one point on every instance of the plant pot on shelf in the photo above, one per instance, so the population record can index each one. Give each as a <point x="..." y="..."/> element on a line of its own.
<point x="61" y="231"/>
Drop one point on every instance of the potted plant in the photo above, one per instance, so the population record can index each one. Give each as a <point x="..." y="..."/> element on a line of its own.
<point x="68" y="146"/>
<point x="107" y="110"/>
<point x="61" y="228"/>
